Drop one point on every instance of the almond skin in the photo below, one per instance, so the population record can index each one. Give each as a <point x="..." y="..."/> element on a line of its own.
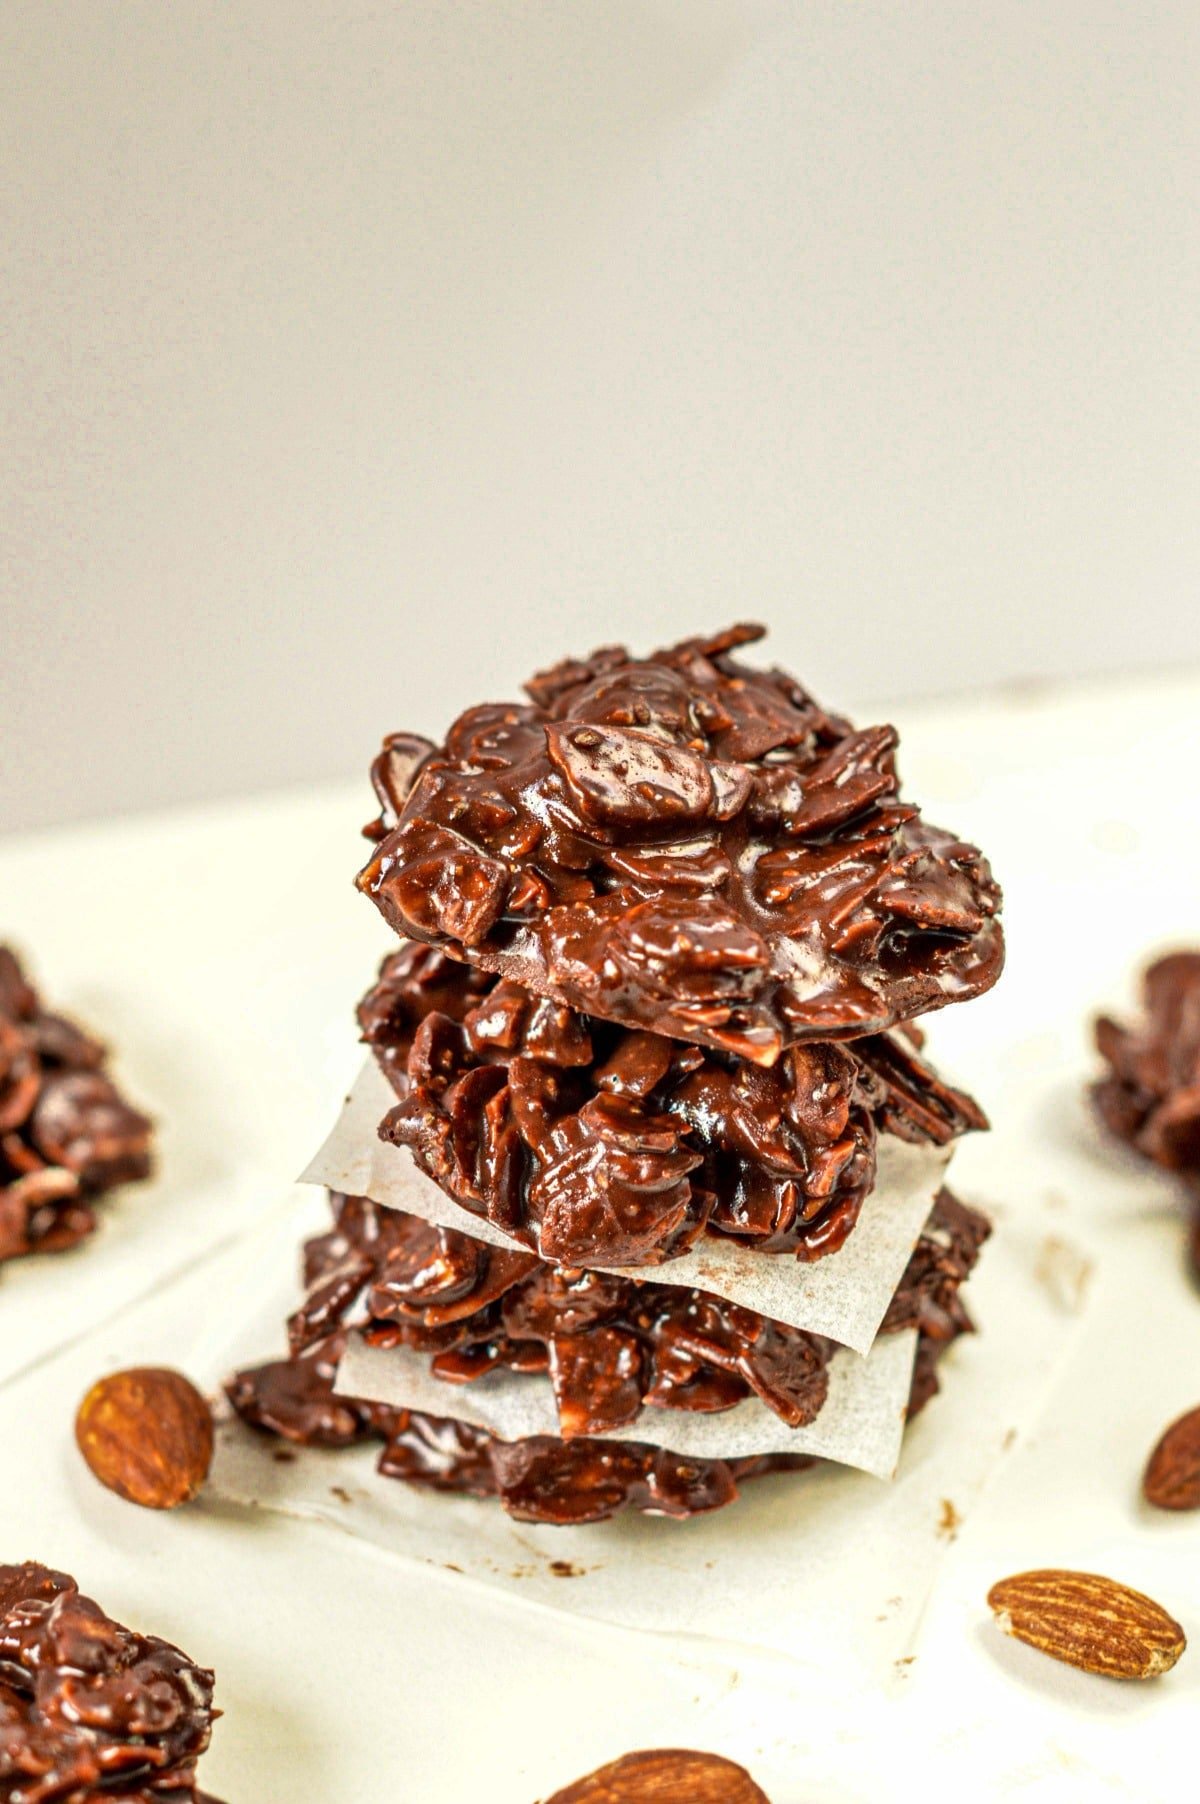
<point x="1089" y="1621"/>
<point x="148" y="1435"/>
<point x="1172" y="1477"/>
<point x="665" y="1776"/>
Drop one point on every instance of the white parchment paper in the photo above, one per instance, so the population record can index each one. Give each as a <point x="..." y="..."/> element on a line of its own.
<point x="843" y="1296"/>
<point x="860" y="1424"/>
<point x="830" y="1566"/>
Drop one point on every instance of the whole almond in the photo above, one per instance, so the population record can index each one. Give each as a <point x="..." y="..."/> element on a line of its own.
<point x="1172" y="1477"/>
<point x="1089" y="1621"/>
<point x="148" y="1435"/>
<point x="665" y="1776"/>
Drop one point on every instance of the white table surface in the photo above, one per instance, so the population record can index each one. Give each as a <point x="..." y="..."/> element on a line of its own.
<point x="222" y="949"/>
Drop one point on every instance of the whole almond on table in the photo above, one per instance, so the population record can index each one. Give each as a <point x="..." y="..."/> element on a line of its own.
<point x="1089" y="1621"/>
<point x="665" y="1776"/>
<point x="1172" y="1477"/>
<point x="148" y="1435"/>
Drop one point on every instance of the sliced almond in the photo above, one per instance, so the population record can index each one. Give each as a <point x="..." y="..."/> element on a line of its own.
<point x="1089" y="1621"/>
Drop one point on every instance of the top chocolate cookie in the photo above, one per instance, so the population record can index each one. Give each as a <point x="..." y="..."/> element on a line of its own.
<point x="683" y="844"/>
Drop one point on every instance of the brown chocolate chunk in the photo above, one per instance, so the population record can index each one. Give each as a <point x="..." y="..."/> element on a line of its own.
<point x="89" y="1709"/>
<point x="593" y="1144"/>
<point x="67" y="1135"/>
<point x="686" y="845"/>
<point x="610" y="1345"/>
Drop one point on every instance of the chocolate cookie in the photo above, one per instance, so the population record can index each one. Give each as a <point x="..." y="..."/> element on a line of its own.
<point x="611" y="1346"/>
<point x="597" y="1144"/>
<point x="67" y="1134"/>
<point x="89" y="1710"/>
<point x="684" y="845"/>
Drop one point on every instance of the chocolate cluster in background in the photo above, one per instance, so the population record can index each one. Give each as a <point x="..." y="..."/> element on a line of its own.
<point x="664" y="929"/>
<point x="89" y="1710"/>
<point x="67" y="1135"/>
<point x="1151" y="1094"/>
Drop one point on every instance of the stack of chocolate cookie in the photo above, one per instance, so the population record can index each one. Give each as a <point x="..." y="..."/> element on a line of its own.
<point x="656" y="1202"/>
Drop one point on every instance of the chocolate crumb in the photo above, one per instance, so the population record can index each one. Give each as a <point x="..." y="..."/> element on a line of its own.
<point x="949" y="1520"/>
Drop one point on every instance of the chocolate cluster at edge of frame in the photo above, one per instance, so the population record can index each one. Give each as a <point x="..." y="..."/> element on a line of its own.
<point x="402" y="1281"/>
<point x="67" y="1134"/>
<point x="1151" y="1094"/>
<point x="682" y="844"/>
<point x="597" y="1144"/>
<point x="90" y="1712"/>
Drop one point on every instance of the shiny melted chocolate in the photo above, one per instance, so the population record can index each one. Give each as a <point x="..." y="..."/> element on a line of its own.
<point x="67" y="1135"/>
<point x="1151" y="1095"/>
<point x="610" y="1346"/>
<point x="596" y="1144"/>
<point x="684" y="845"/>
<point x="90" y="1710"/>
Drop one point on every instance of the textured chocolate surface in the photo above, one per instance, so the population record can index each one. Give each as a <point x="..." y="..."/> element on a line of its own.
<point x="90" y="1710"/>
<point x="543" y="1479"/>
<point x="1151" y="1096"/>
<point x="66" y="1133"/>
<point x="597" y="1144"/>
<point x="683" y="844"/>
<point x="611" y="1346"/>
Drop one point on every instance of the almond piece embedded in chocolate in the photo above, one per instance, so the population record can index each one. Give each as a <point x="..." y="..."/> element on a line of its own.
<point x="148" y="1435"/>
<point x="1090" y="1622"/>
<point x="665" y="1776"/>
<point x="1172" y="1477"/>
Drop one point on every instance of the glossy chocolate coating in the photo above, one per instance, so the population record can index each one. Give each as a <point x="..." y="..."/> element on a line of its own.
<point x="610" y="1346"/>
<point x="67" y="1135"/>
<point x="685" y="845"/>
<point x="596" y="1144"/>
<point x="91" y="1710"/>
<point x="1151" y="1096"/>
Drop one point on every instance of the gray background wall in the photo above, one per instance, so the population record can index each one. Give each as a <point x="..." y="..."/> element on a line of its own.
<point x="358" y="358"/>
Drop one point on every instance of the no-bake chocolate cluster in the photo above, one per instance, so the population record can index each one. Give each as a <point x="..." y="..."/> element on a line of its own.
<point x="611" y="1346"/>
<point x="67" y="1135"/>
<point x="1150" y="1095"/>
<point x="89" y="1710"/>
<point x="665" y="927"/>
<point x="597" y="1144"/>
